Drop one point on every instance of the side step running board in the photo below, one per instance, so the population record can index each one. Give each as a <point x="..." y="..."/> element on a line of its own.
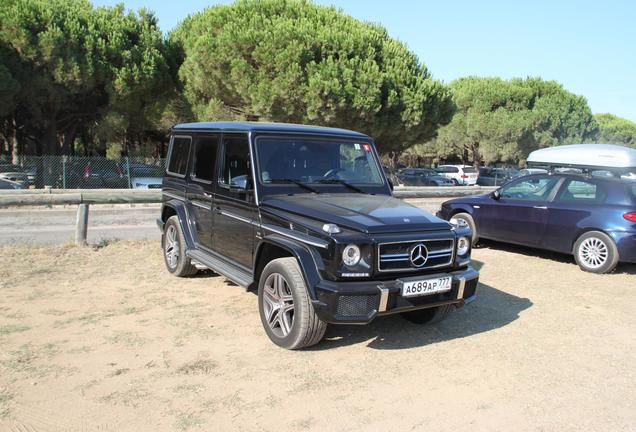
<point x="236" y="275"/>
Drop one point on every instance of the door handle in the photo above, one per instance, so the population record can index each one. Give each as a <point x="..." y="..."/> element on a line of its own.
<point x="540" y="207"/>
<point x="217" y="210"/>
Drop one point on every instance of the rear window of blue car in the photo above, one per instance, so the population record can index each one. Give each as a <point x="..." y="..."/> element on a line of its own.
<point x="582" y="191"/>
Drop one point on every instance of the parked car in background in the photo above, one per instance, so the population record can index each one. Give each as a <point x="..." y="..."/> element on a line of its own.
<point x="462" y="175"/>
<point x="13" y="173"/>
<point x="144" y="176"/>
<point x="8" y="184"/>
<point x="529" y="171"/>
<point x="494" y="176"/>
<point x="591" y="217"/>
<point x="423" y="177"/>
<point x="89" y="173"/>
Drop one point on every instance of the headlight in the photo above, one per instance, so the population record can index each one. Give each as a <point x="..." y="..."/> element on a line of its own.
<point x="463" y="244"/>
<point x="351" y="255"/>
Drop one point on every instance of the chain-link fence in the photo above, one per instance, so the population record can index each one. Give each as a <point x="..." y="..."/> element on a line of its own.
<point x="80" y="172"/>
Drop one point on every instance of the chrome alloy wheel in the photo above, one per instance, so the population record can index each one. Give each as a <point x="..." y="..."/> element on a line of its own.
<point x="171" y="247"/>
<point x="278" y="305"/>
<point x="593" y="252"/>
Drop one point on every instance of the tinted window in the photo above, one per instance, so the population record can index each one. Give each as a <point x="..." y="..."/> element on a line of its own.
<point x="448" y="169"/>
<point x="469" y="170"/>
<point x="236" y="157"/>
<point x="179" y="155"/>
<point x="532" y="189"/>
<point x="204" y="158"/>
<point x="583" y="191"/>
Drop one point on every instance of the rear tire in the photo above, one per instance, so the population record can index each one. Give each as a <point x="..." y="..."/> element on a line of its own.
<point x="430" y="315"/>
<point x="595" y="252"/>
<point x="471" y="224"/>
<point x="173" y="245"/>
<point x="286" y="311"/>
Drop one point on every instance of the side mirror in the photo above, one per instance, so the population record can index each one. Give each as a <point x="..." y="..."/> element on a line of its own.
<point x="496" y="195"/>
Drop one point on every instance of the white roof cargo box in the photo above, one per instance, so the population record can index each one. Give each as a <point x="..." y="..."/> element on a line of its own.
<point x="585" y="156"/>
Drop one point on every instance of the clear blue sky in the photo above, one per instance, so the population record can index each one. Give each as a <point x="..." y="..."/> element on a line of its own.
<point x="588" y="46"/>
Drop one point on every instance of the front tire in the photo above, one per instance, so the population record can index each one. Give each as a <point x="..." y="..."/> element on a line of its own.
<point x="471" y="224"/>
<point x="285" y="308"/>
<point x="428" y="316"/>
<point x="173" y="245"/>
<point x="595" y="252"/>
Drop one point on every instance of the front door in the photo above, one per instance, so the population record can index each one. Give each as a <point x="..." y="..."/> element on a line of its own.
<point x="234" y="207"/>
<point x="521" y="213"/>
<point x="201" y="187"/>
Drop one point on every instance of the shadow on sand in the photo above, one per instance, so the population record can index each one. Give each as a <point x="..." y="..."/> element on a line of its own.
<point x="493" y="309"/>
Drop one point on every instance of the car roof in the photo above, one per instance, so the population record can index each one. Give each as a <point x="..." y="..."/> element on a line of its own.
<point x="267" y="127"/>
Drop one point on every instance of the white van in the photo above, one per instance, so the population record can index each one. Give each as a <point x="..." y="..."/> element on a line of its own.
<point x="464" y="175"/>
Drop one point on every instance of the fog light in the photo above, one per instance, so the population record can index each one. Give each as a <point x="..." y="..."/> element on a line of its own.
<point x="463" y="244"/>
<point x="351" y="255"/>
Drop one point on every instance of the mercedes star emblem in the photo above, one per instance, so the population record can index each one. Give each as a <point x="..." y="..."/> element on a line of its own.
<point x="419" y="255"/>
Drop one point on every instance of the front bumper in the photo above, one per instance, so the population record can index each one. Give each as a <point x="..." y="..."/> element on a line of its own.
<point x="361" y="302"/>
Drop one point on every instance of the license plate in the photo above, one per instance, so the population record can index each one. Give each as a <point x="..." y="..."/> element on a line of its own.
<point x="426" y="286"/>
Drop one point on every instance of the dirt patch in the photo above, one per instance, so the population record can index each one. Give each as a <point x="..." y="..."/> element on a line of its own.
<point x="105" y="339"/>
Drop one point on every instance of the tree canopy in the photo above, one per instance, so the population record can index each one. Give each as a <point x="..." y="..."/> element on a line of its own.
<point x="503" y="120"/>
<point x="293" y="61"/>
<point x="616" y="130"/>
<point x="72" y="64"/>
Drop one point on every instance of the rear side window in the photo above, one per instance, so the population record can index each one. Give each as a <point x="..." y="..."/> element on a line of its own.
<point x="447" y="169"/>
<point x="470" y="170"/>
<point x="582" y="191"/>
<point x="179" y="155"/>
<point x="204" y="159"/>
<point x="236" y="156"/>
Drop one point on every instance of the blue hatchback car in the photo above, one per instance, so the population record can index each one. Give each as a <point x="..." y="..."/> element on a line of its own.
<point x="590" y="217"/>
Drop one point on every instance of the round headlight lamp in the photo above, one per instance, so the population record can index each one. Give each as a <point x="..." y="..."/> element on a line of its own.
<point x="463" y="244"/>
<point x="351" y="255"/>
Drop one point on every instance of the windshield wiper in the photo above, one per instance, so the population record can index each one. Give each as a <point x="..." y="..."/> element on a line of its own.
<point x="294" y="181"/>
<point x="342" y="182"/>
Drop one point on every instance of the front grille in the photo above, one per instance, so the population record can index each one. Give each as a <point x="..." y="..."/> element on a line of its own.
<point x="357" y="305"/>
<point x="397" y="256"/>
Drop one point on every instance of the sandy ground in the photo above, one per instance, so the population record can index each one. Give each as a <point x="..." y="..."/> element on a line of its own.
<point x="103" y="339"/>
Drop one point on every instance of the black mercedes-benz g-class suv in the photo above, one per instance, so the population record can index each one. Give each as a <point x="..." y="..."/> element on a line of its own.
<point x="306" y="216"/>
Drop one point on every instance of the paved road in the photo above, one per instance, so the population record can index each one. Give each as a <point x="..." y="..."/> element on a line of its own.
<point x="57" y="225"/>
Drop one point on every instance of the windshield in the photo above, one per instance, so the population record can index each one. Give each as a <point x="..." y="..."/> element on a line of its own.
<point x="316" y="161"/>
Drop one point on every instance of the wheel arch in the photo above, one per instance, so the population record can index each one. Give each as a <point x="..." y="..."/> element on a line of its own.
<point x="462" y="208"/>
<point x="275" y="246"/>
<point x="583" y="231"/>
<point x="177" y="208"/>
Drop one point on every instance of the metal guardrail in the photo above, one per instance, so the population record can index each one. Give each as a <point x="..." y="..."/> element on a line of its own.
<point x="83" y="198"/>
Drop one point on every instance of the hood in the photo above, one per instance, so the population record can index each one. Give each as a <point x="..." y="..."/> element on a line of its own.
<point x="372" y="214"/>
